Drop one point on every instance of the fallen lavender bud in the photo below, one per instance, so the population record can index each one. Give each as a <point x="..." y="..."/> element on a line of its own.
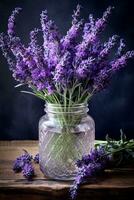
<point x="17" y="165"/>
<point x="26" y="157"/>
<point x="28" y="171"/>
<point x="36" y="158"/>
<point x="89" y="166"/>
<point x="21" y="161"/>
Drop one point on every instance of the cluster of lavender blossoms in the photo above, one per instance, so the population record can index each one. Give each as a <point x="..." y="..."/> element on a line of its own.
<point x="89" y="167"/>
<point x="24" y="164"/>
<point x="62" y="63"/>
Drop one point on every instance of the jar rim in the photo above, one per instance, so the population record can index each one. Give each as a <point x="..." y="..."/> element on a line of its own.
<point x="80" y="105"/>
<point x="59" y="108"/>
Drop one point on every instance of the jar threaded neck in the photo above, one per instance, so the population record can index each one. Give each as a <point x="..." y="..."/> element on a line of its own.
<point x="60" y="108"/>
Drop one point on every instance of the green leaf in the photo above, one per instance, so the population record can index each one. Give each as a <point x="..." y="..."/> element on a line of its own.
<point x="20" y="84"/>
<point x="27" y="92"/>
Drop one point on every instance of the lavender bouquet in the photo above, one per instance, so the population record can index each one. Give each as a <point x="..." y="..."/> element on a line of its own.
<point x="65" y="72"/>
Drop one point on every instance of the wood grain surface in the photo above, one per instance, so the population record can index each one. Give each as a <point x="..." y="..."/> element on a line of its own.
<point x="115" y="184"/>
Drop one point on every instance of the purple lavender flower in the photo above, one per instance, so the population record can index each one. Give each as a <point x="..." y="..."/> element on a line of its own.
<point x="50" y="88"/>
<point x="51" y="38"/>
<point x="84" y="173"/>
<point x="4" y="45"/>
<point x="21" y="73"/>
<point x="62" y="68"/>
<point x="17" y="47"/>
<point x="94" y="156"/>
<point x="61" y="62"/>
<point x="85" y="160"/>
<point x="120" y="50"/>
<point x="21" y="161"/>
<point x="76" y="15"/>
<point x="108" y="46"/>
<point x="88" y="27"/>
<point x="89" y="166"/>
<point x="70" y="39"/>
<point x="11" y="22"/>
<point x="122" y="61"/>
<point x="17" y="165"/>
<point x="102" y="79"/>
<point x="26" y="157"/>
<point x="35" y="49"/>
<point x="36" y="158"/>
<point x="90" y="36"/>
<point x="84" y="70"/>
<point x="101" y="23"/>
<point x="28" y="171"/>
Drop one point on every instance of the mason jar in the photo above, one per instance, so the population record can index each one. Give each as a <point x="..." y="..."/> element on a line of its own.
<point x="66" y="133"/>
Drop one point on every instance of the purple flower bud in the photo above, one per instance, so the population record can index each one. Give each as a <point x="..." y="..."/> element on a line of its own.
<point x="17" y="165"/>
<point x="11" y="22"/>
<point x="89" y="166"/>
<point x="4" y="45"/>
<point x="70" y="39"/>
<point x="122" y="61"/>
<point x="28" y="171"/>
<point x="108" y="46"/>
<point x="102" y="79"/>
<point x="21" y="161"/>
<point x="121" y="48"/>
<point x="84" y="69"/>
<point x="63" y="68"/>
<point x="76" y="15"/>
<point x="11" y="25"/>
<point x="36" y="158"/>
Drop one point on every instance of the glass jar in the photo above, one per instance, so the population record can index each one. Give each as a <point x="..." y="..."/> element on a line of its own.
<point x="65" y="134"/>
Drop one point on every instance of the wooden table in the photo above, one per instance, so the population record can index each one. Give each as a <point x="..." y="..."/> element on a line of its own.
<point x="116" y="184"/>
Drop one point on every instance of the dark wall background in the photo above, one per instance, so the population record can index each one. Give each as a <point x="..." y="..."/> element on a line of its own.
<point x="112" y="109"/>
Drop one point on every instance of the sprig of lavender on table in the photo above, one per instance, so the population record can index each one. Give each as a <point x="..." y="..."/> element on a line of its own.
<point x="21" y="160"/>
<point x="107" y="154"/>
<point x="24" y="164"/>
<point x="28" y="171"/>
<point x="122" y="150"/>
<point x="88" y="167"/>
<point x="68" y="68"/>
